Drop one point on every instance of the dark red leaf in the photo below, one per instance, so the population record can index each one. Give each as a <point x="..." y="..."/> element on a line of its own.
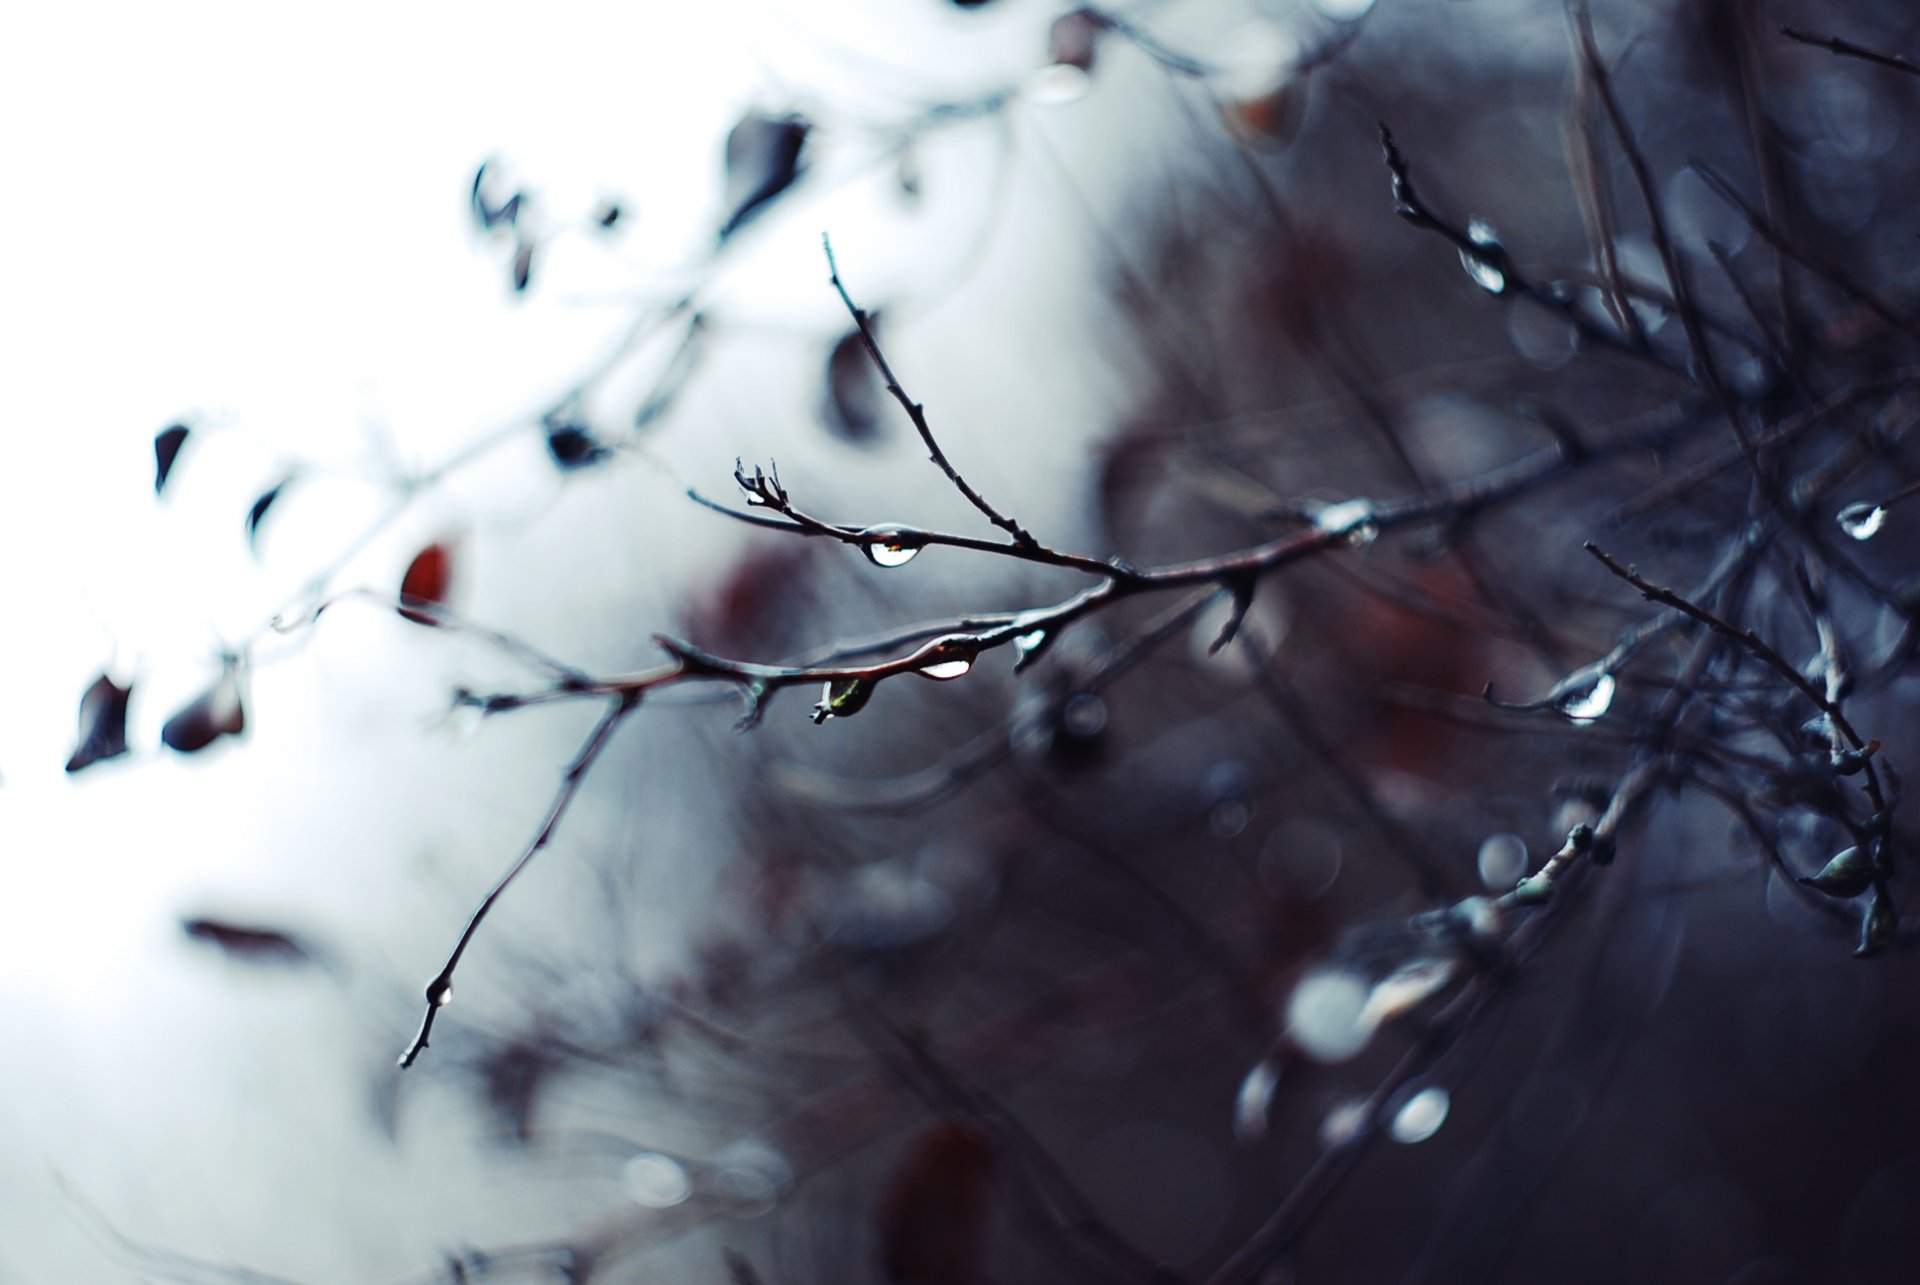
<point x="219" y="711"/>
<point x="166" y="448"/>
<point x="933" y="1211"/>
<point x="103" y="724"/>
<point x="429" y="578"/>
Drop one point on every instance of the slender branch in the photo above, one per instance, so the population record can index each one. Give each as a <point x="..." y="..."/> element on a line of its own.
<point x="1848" y="49"/>
<point x="916" y="412"/>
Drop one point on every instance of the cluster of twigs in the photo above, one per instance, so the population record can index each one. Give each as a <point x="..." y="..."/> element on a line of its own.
<point x="1724" y="713"/>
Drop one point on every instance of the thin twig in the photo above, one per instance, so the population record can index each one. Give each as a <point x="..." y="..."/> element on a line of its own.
<point x="915" y="411"/>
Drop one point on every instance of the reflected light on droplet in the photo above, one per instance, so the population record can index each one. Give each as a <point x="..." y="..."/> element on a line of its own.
<point x="1420" y="1116"/>
<point x="1484" y="274"/>
<point x="1862" y="521"/>
<point x="655" y="1181"/>
<point x="947" y="669"/>
<point x="1502" y="860"/>
<point x="1588" y="702"/>
<point x="1324" y="1015"/>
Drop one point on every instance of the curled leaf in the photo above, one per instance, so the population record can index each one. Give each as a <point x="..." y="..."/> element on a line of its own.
<point x="489" y="210"/>
<point x="219" y="711"/>
<point x="248" y="944"/>
<point x="103" y="724"/>
<point x="429" y="578"/>
<point x="257" y="514"/>
<point x="854" y="399"/>
<point x="763" y="160"/>
<point x="166" y="449"/>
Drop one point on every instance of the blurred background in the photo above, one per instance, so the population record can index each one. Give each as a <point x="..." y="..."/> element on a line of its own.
<point x="1157" y="960"/>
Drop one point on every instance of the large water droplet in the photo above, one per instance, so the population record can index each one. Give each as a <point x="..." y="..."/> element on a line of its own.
<point x="948" y="669"/>
<point x="1503" y="859"/>
<point x="1351" y="518"/>
<point x="842" y="698"/>
<point x="1589" y="700"/>
<point x="1324" y="1015"/>
<point x="1862" y="521"/>
<point x="440" y="995"/>
<point x="1483" y="271"/>
<point x="1420" y="1116"/>
<point x="889" y="547"/>
<point x="656" y="1181"/>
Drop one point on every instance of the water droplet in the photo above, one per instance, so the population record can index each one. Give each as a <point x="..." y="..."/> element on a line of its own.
<point x="1255" y="1100"/>
<point x="1586" y="701"/>
<point x="440" y="995"/>
<point x="1344" y="10"/>
<point x="1351" y="518"/>
<point x="1057" y="83"/>
<point x="753" y="1175"/>
<point x="1344" y="1123"/>
<point x="1027" y="644"/>
<point x="1503" y="859"/>
<point x="944" y="670"/>
<point x="1301" y="858"/>
<point x="1862" y="521"/>
<point x="1084" y="717"/>
<point x="1482" y="269"/>
<point x="1420" y="1116"/>
<point x="656" y="1181"/>
<point x="889" y="547"/>
<point x="1324" y="1012"/>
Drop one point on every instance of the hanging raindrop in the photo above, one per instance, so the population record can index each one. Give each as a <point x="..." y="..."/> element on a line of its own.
<point x="890" y="547"/>
<point x="947" y="669"/>
<point x="1483" y="268"/>
<point x="1588" y="701"/>
<point x="1862" y="521"/>
<point x="440" y="994"/>
<point x="1027" y="644"/>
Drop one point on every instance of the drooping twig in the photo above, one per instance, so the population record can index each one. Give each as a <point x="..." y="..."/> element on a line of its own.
<point x="440" y="989"/>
